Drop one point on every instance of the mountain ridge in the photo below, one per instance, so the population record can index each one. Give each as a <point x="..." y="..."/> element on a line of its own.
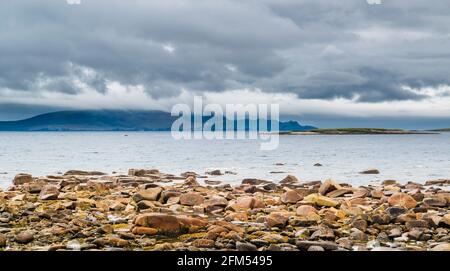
<point x="110" y="120"/>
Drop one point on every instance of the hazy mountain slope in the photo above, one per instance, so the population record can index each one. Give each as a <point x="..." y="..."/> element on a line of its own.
<point x="108" y="120"/>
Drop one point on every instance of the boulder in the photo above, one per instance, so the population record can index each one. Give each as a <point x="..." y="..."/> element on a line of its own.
<point x="241" y="246"/>
<point x="308" y="213"/>
<point x="24" y="237"/>
<point x="2" y="240"/>
<point x="323" y="233"/>
<point x="22" y="178"/>
<point x="216" y="201"/>
<point x="203" y="243"/>
<point x="277" y="219"/>
<point x="320" y="200"/>
<point x="245" y="203"/>
<point x="49" y="192"/>
<point x="441" y="247"/>
<point x="191" y="182"/>
<point x="84" y="173"/>
<point x="435" y="201"/>
<point x="191" y="199"/>
<point x="402" y="200"/>
<point x="215" y="172"/>
<point x="446" y="220"/>
<point x="328" y="186"/>
<point x="141" y="172"/>
<point x="151" y="194"/>
<point x="360" y="224"/>
<point x="144" y="230"/>
<point x="339" y="192"/>
<point x="416" y="224"/>
<point x="291" y="196"/>
<point x="111" y="241"/>
<point x="370" y="171"/>
<point x="395" y="211"/>
<point x="289" y="179"/>
<point x="304" y="245"/>
<point x="168" y="224"/>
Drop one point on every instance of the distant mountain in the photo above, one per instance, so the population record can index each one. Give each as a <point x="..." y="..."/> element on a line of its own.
<point x="109" y="120"/>
<point x="441" y="130"/>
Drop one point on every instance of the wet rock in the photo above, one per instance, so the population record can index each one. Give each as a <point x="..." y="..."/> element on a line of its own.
<point x="360" y="224"/>
<point x="277" y="219"/>
<point x="151" y="194"/>
<point x="345" y="243"/>
<point x="289" y="179"/>
<point x="358" y="235"/>
<point x="339" y="192"/>
<point x="241" y="246"/>
<point x="415" y="234"/>
<point x="168" y="224"/>
<point x="144" y="230"/>
<point x="142" y="172"/>
<point x="203" y="243"/>
<point x="269" y="187"/>
<point x="250" y="189"/>
<point x="441" y="247"/>
<point x="321" y="200"/>
<point x="376" y="194"/>
<point x="370" y="171"/>
<point x="2" y="240"/>
<point x="446" y="219"/>
<point x="402" y="200"/>
<point x="49" y="192"/>
<point x="215" y="172"/>
<point x="84" y="173"/>
<point x="318" y="165"/>
<point x="435" y="201"/>
<point x="111" y="241"/>
<point x="191" y="181"/>
<point x="323" y="233"/>
<point x="291" y="197"/>
<point x="328" y="186"/>
<point x="416" y="224"/>
<point x="307" y="211"/>
<point x="304" y="245"/>
<point x="244" y="203"/>
<point x="316" y="248"/>
<point x="381" y="219"/>
<point x="395" y="232"/>
<point x="394" y="212"/>
<point x="22" y="178"/>
<point x="24" y="237"/>
<point x="216" y="201"/>
<point x="437" y="182"/>
<point x="191" y="199"/>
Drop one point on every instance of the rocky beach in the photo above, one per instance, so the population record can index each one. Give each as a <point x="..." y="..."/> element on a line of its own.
<point x="150" y="210"/>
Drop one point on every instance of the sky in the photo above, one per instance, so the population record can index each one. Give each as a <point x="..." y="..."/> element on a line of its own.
<point x="342" y="63"/>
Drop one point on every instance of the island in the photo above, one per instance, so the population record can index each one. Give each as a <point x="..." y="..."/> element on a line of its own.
<point x="357" y="131"/>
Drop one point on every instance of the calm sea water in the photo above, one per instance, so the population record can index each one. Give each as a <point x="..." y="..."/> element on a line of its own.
<point x="401" y="157"/>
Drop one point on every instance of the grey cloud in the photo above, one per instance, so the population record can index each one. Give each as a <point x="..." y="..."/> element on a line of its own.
<point x="310" y="48"/>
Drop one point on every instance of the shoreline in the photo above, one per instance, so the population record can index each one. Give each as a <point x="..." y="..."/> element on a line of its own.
<point x="151" y="210"/>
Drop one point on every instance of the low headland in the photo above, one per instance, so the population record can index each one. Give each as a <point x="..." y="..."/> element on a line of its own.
<point x="151" y="210"/>
<point x="357" y="131"/>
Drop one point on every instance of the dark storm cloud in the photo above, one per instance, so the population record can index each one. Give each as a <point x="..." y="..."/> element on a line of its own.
<point x="317" y="49"/>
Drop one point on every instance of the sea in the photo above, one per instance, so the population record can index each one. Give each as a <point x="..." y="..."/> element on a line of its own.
<point x="404" y="158"/>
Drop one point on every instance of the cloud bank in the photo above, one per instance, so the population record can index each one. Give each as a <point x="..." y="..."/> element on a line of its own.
<point x="319" y="55"/>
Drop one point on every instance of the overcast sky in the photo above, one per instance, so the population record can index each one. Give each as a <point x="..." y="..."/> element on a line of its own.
<point x="329" y="62"/>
